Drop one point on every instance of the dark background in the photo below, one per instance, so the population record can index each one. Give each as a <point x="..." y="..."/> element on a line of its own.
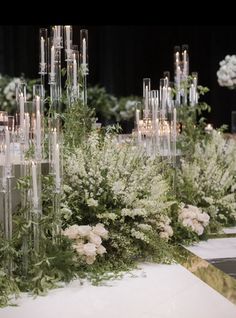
<point x="121" y="56"/>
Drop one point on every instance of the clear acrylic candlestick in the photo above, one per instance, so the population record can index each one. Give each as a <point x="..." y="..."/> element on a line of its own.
<point x="43" y="55"/>
<point x="68" y="41"/>
<point x="55" y="164"/>
<point x="84" y="62"/>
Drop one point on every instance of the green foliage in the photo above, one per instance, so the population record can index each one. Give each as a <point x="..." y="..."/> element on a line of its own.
<point x="109" y="108"/>
<point x="78" y="121"/>
<point x="8" y="91"/>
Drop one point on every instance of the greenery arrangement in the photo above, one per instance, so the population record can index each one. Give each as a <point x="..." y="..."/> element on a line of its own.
<point x="118" y="205"/>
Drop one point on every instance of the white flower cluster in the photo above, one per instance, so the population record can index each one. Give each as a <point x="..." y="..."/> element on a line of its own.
<point x="227" y="72"/>
<point x="209" y="178"/>
<point x="88" y="240"/>
<point x="166" y="230"/>
<point x="117" y="184"/>
<point x="191" y="216"/>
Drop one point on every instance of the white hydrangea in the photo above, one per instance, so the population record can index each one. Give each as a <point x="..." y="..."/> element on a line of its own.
<point x="227" y="72"/>
<point x="192" y="217"/>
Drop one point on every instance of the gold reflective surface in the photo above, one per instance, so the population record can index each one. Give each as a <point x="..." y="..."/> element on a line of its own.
<point x="212" y="276"/>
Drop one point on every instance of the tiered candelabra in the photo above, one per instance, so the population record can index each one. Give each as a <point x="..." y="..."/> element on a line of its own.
<point x="32" y="141"/>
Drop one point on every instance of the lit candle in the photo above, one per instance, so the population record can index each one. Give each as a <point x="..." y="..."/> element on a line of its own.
<point x="67" y="27"/>
<point x="74" y="71"/>
<point x="7" y="147"/>
<point x="164" y="97"/>
<point x="185" y="63"/>
<point x="146" y="100"/>
<point x="22" y="111"/>
<point x="38" y="128"/>
<point x="34" y="184"/>
<point x="178" y="72"/>
<point x="57" y="166"/>
<point x="42" y="51"/>
<point x="84" y="51"/>
<point x="52" y="60"/>
<point x="27" y="125"/>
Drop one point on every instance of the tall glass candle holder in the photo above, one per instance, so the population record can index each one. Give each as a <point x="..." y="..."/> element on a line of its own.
<point x="84" y="62"/>
<point x="57" y="36"/>
<point x="146" y="90"/>
<point x="43" y="40"/>
<point x="68" y="40"/>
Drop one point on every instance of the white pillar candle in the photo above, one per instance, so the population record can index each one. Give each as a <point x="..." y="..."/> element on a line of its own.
<point x="34" y="185"/>
<point x="74" y="71"/>
<point x="38" y="127"/>
<point x="22" y="111"/>
<point x="84" y="51"/>
<point x="42" y="51"/>
<point x="7" y="147"/>
<point x="57" y="166"/>
<point x="146" y="101"/>
<point x="67" y="27"/>
<point x="27" y="127"/>
<point x="52" y="60"/>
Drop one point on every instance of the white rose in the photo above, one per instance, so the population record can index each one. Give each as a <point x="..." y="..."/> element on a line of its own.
<point x="90" y="249"/>
<point x="90" y="259"/>
<point x="84" y="230"/>
<point x="188" y="223"/>
<point x="101" y="250"/>
<point x="95" y="239"/>
<point x="79" y="247"/>
<point x="71" y="232"/>
<point x="199" y="229"/>
<point x="100" y="230"/>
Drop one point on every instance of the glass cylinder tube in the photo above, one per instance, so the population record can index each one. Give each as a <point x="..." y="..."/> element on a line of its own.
<point x="57" y="36"/>
<point x="3" y="120"/>
<point x="20" y="90"/>
<point x="84" y="51"/>
<point x="146" y="90"/>
<point x="43" y="37"/>
<point x="185" y="61"/>
<point x="38" y="126"/>
<point x="68" y="40"/>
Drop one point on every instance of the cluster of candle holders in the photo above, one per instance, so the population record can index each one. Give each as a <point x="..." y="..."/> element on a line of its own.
<point x="156" y="123"/>
<point x="28" y="140"/>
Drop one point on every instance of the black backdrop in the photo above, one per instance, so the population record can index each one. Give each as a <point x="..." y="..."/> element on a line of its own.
<point x="120" y="56"/>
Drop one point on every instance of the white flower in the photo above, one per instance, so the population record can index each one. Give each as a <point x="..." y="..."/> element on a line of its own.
<point x="79" y="247"/>
<point x="164" y="235"/>
<point x="89" y="249"/>
<point x="101" y="250"/>
<point x="72" y="232"/>
<point x="95" y="239"/>
<point x="84" y="230"/>
<point x="227" y="72"/>
<point x="118" y="187"/>
<point x="100" y="230"/>
<point x="92" y="202"/>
